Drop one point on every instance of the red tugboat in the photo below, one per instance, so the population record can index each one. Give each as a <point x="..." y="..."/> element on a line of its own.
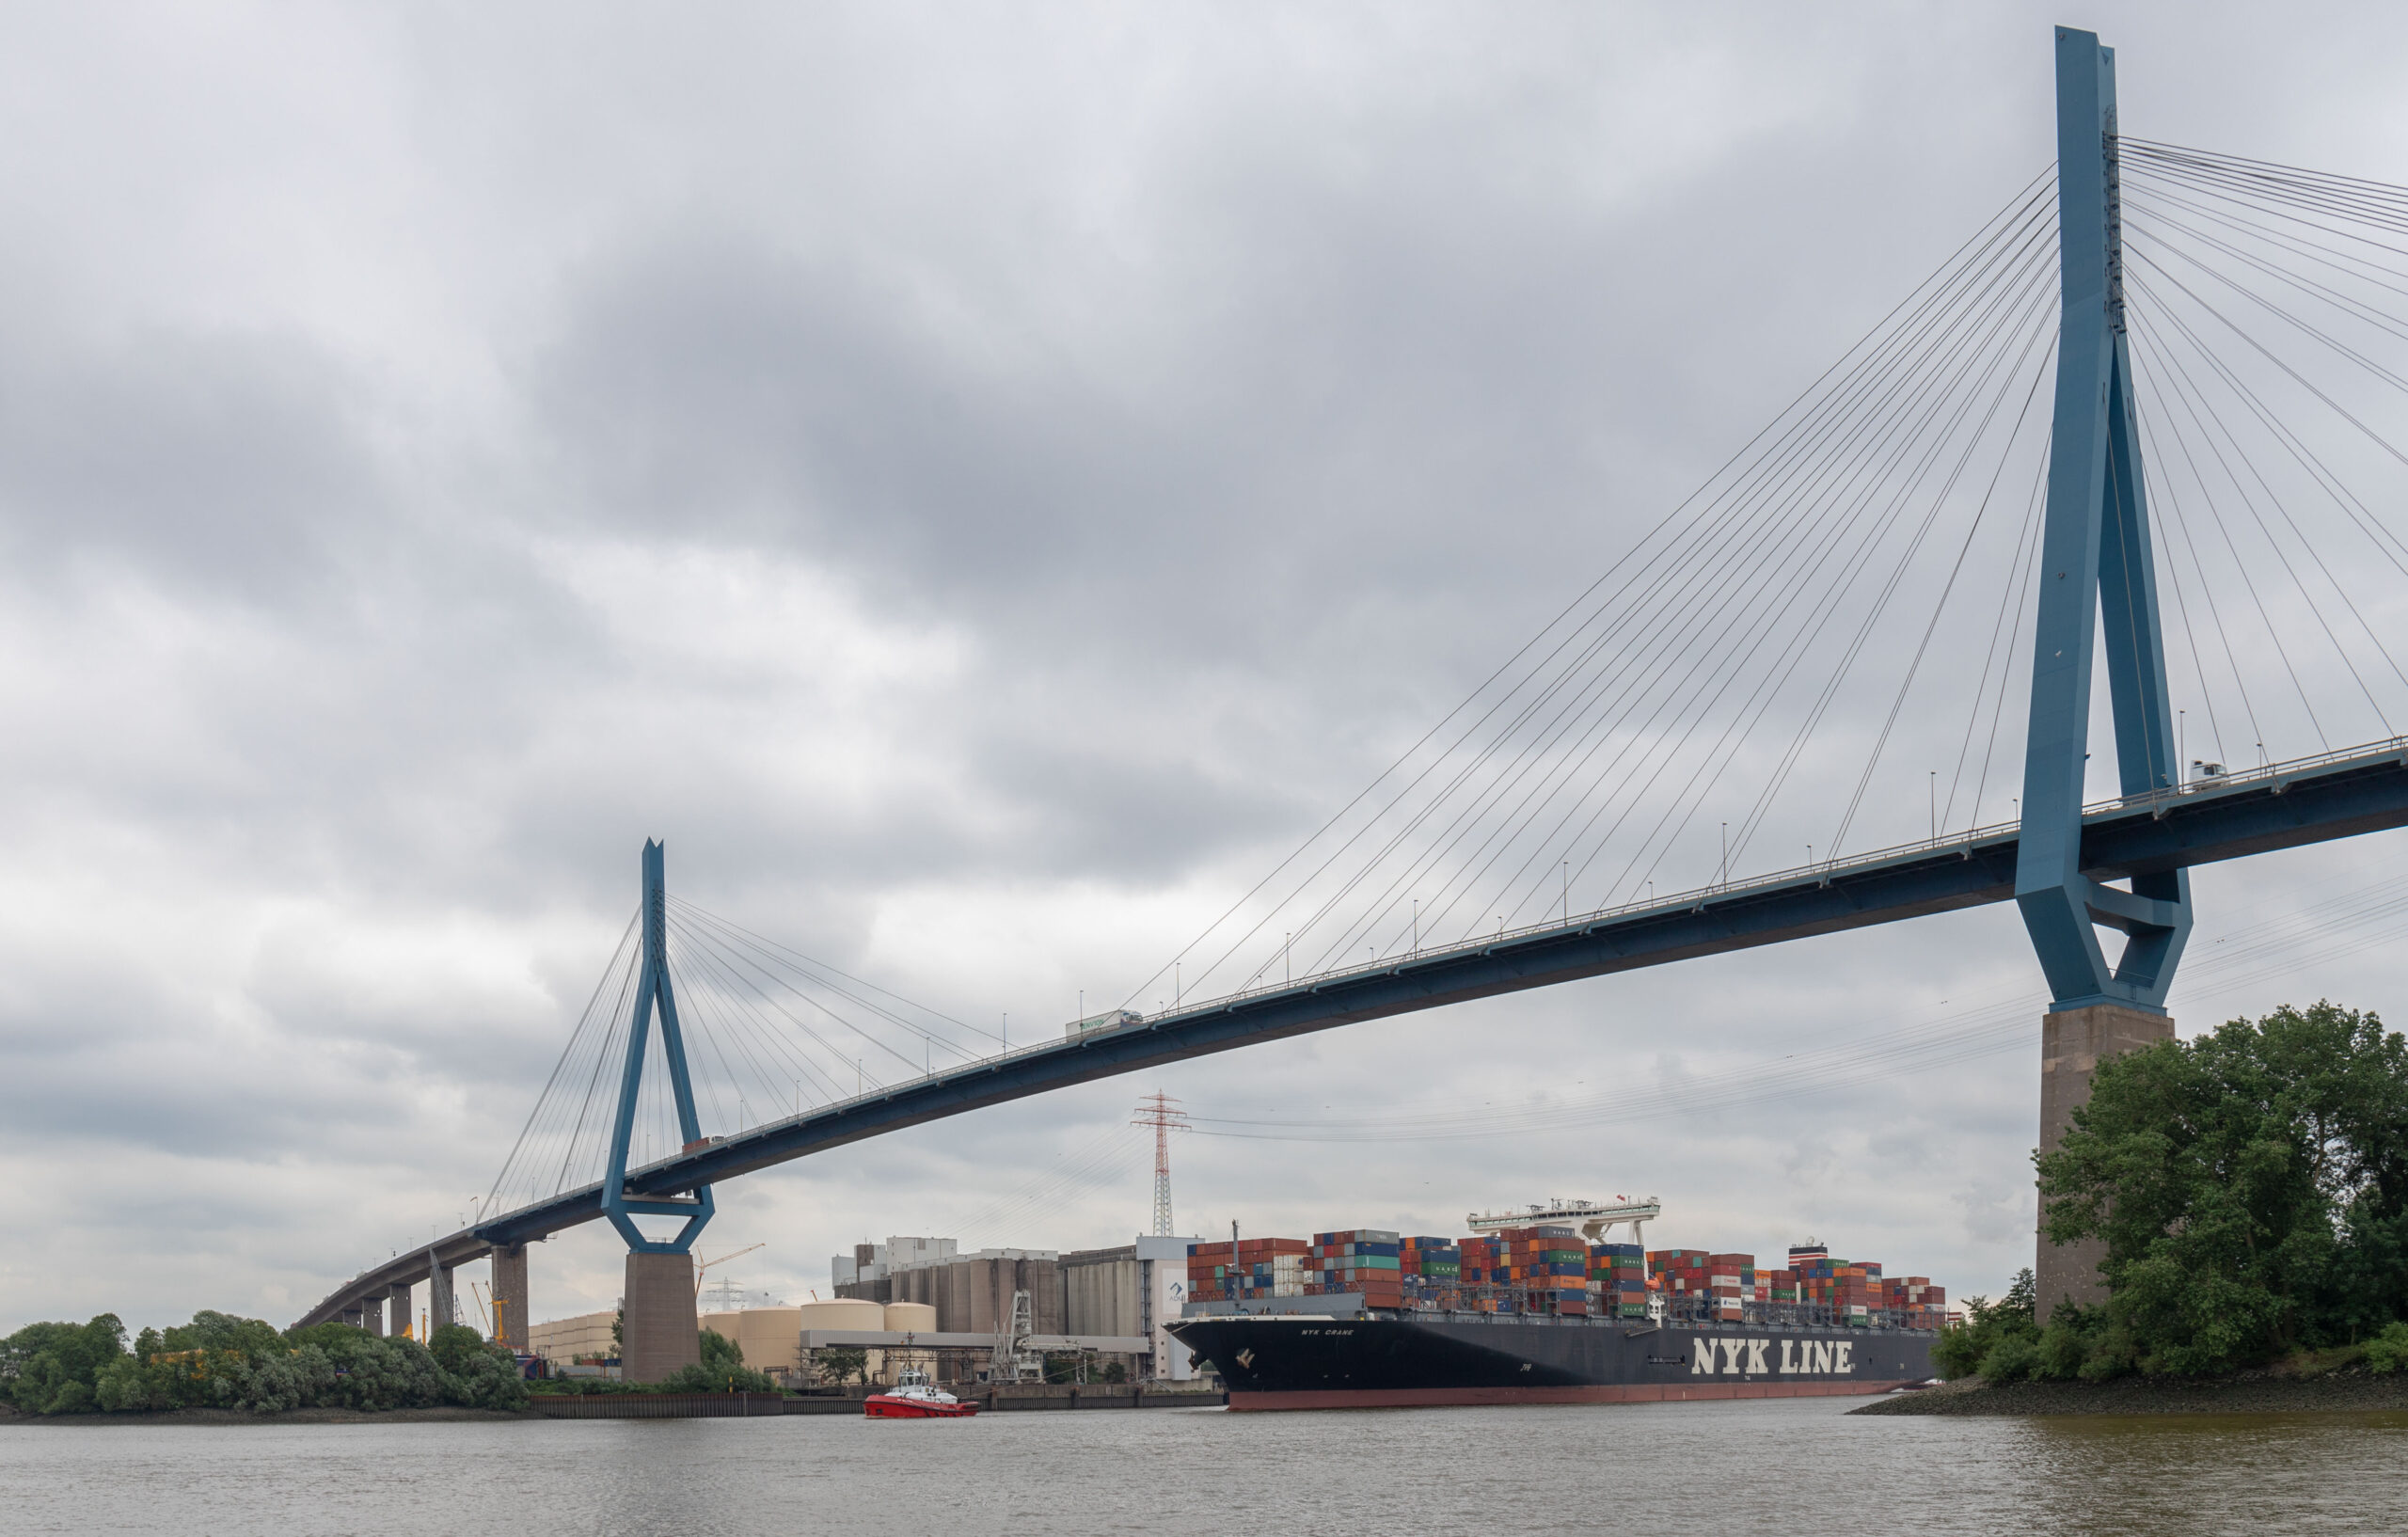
<point x="915" y="1398"/>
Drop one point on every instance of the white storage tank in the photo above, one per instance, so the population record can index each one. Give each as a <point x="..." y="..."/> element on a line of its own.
<point x="771" y="1337"/>
<point x="841" y="1313"/>
<point x="855" y="1313"/>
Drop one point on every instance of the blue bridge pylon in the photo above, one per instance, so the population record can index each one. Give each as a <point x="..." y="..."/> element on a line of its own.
<point x="656" y="997"/>
<point x="2095" y="554"/>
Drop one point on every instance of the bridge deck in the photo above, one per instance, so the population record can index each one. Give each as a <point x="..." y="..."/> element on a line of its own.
<point x="2283" y="806"/>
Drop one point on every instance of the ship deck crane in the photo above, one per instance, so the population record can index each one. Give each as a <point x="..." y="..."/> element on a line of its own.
<point x="1592" y="1220"/>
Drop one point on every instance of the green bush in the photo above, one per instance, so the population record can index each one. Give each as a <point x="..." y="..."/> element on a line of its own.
<point x="454" y="1346"/>
<point x="274" y="1382"/>
<point x="2388" y="1351"/>
<point x="2012" y="1359"/>
<point x="476" y="1375"/>
<point x="1961" y="1349"/>
<point x="2112" y="1354"/>
<point x="722" y="1369"/>
<point x="699" y="1378"/>
<point x="2061" y="1351"/>
<point x="374" y="1372"/>
<point x="73" y="1398"/>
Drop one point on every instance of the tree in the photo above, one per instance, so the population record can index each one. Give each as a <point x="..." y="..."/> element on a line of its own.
<point x="210" y="1361"/>
<point x="211" y="1330"/>
<point x="1996" y="1338"/>
<point x="374" y="1373"/>
<point x="56" y="1368"/>
<point x="476" y="1375"/>
<point x="2251" y="1186"/>
<point x="244" y="1363"/>
<point x="836" y="1365"/>
<point x="454" y="1346"/>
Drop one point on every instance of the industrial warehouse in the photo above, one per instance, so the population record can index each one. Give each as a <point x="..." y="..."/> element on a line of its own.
<point x="919" y="1304"/>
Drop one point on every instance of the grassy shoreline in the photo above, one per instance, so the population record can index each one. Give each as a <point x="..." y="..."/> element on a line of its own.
<point x="2249" y="1392"/>
<point x="445" y="1413"/>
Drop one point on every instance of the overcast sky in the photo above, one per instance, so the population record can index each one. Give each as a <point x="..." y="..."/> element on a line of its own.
<point x="975" y="480"/>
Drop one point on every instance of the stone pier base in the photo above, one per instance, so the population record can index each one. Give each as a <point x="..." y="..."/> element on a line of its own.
<point x="661" y="1334"/>
<point x="2073" y="1042"/>
<point x="510" y="1296"/>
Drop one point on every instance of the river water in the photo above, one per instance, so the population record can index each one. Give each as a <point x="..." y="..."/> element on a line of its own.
<point x="1795" y="1467"/>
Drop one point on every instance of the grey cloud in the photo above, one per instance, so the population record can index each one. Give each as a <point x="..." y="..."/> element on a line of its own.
<point x="235" y="464"/>
<point x="899" y="453"/>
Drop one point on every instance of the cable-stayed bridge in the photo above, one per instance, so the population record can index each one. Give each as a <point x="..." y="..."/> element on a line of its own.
<point x="2154" y="370"/>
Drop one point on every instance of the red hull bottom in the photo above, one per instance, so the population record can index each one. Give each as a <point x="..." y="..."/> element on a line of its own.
<point x="1432" y="1397"/>
<point x="884" y="1409"/>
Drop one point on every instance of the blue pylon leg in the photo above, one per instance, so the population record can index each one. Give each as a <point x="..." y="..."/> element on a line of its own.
<point x="2098" y="575"/>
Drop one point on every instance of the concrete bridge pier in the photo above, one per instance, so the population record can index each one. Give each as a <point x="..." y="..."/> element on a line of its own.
<point x="661" y="1331"/>
<point x="397" y="1312"/>
<point x="356" y="1317"/>
<point x="2073" y="1042"/>
<point x="439" y="1306"/>
<point x="510" y="1296"/>
<point x="372" y="1315"/>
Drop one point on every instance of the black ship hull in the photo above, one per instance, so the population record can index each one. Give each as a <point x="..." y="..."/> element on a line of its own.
<point x="1286" y="1361"/>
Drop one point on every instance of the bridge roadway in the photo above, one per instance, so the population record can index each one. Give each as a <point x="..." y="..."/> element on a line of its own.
<point x="2285" y="805"/>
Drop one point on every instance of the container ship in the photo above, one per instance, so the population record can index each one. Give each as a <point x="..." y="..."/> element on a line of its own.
<point x="1536" y="1311"/>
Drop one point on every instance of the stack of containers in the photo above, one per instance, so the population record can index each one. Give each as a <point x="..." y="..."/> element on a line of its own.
<point x="1359" y="1259"/>
<point x="1731" y="1280"/>
<point x="1818" y="1276"/>
<point x="1480" y="1260"/>
<point x="1855" y="1292"/>
<point x="1264" y="1267"/>
<point x="1508" y="1270"/>
<point x="1207" y="1270"/>
<point x="1275" y="1269"/>
<point x="1618" y="1279"/>
<point x="1680" y="1274"/>
<point x="1548" y="1269"/>
<point x="1432" y="1271"/>
<point x="1921" y="1302"/>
